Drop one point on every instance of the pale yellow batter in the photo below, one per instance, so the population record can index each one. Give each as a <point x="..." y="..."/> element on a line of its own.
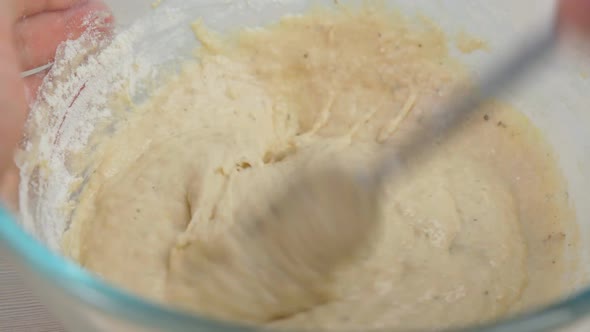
<point x="470" y="235"/>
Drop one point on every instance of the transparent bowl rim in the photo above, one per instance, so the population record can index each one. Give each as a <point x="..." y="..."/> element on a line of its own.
<point x="77" y="282"/>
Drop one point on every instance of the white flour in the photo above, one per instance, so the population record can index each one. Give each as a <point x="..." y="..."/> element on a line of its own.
<point x="74" y="98"/>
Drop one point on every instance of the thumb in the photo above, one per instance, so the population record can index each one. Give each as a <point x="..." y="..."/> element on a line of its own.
<point x="12" y="96"/>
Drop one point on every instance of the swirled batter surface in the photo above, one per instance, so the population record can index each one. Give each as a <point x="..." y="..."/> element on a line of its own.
<point x="471" y="234"/>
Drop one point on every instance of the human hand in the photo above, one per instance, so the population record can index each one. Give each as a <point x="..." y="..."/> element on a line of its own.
<point x="30" y="32"/>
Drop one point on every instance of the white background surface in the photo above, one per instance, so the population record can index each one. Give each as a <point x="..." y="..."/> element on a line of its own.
<point x="20" y="310"/>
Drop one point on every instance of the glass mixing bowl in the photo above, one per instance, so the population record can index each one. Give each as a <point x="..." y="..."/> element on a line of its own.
<point x="556" y="101"/>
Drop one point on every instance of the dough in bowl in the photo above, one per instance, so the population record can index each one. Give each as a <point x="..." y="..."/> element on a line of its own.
<point x="472" y="234"/>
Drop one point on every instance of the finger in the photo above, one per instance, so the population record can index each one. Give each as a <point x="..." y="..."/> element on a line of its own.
<point x="9" y="182"/>
<point x="12" y="114"/>
<point x="24" y="8"/>
<point x="575" y="14"/>
<point x="38" y="36"/>
<point x="12" y="97"/>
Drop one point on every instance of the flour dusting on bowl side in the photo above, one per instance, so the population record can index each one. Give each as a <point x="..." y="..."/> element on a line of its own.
<point x="73" y="102"/>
